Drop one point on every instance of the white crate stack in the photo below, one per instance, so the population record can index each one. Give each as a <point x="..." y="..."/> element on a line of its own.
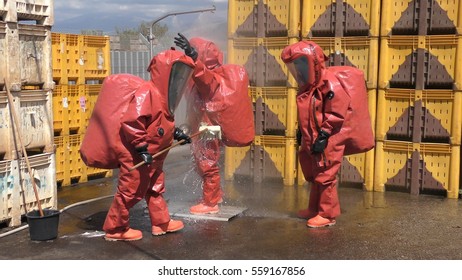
<point x="26" y="64"/>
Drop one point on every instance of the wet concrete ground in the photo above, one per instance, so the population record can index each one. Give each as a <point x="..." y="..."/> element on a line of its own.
<point x="373" y="226"/>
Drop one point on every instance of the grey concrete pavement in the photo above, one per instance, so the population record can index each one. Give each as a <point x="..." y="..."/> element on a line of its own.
<point x="373" y="226"/>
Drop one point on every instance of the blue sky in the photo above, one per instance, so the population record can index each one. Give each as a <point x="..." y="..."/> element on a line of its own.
<point x="73" y="16"/>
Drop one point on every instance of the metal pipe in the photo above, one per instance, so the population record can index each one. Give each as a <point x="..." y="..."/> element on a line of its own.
<point x="151" y="36"/>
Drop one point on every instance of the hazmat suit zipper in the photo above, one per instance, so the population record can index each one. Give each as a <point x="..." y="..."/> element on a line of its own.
<point x="318" y="128"/>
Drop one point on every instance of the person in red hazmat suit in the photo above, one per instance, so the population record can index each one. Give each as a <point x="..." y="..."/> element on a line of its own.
<point x="322" y="108"/>
<point x="212" y="81"/>
<point x="206" y="152"/>
<point x="146" y="127"/>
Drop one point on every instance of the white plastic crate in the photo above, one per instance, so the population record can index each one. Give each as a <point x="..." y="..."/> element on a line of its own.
<point x="35" y="64"/>
<point x="5" y="126"/>
<point x="40" y="11"/>
<point x="17" y="196"/>
<point x="26" y="50"/>
<point x="5" y="190"/>
<point x="36" y="119"/>
<point x="3" y="9"/>
<point x="44" y="172"/>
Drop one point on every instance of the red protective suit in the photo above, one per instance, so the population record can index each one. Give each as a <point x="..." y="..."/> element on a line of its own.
<point x="219" y="96"/>
<point x="146" y="119"/>
<point x="322" y="105"/>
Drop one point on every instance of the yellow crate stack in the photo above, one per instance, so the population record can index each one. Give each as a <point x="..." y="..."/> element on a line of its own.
<point x="267" y="157"/>
<point x="410" y="53"/>
<point x="80" y="64"/>
<point x="419" y="109"/>
<point x="258" y="31"/>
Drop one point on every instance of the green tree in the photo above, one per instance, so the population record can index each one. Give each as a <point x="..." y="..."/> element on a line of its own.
<point x="92" y="32"/>
<point x="158" y="30"/>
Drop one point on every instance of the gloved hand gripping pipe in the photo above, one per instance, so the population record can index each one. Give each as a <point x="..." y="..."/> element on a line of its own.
<point x="166" y="149"/>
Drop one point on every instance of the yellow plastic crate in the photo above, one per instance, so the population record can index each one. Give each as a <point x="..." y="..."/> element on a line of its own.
<point x="67" y="109"/>
<point x="96" y="173"/>
<point x="420" y="115"/>
<point x="59" y="93"/>
<point x="90" y="93"/>
<point x="69" y="166"/>
<point x="268" y="157"/>
<point x="300" y="177"/>
<point x="360" y="52"/>
<point x="263" y="18"/>
<point x="417" y="167"/>
<point x="76" y="165"/>
<point x="358" y="168"/>
<point x="421" y="62"/>
<point x="96" y="55"/>
<point x="68" y="162"/>
<point x="80" y="58"/>
<point x="275" y="110"/>
<point x="340" y="18"/>
<point x="261" y="58"/>
<point x="436" y="17"/>
<point x="60" y="157"/>
<point x="73" y="60"/>
<point x="76" y="97"/>
<point x="58" y="44"/>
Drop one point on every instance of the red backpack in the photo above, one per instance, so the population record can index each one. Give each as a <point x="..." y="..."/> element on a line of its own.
<point x="357" y="123"/>
<point x="101" y="140"/>
<point x="231" y="106"/>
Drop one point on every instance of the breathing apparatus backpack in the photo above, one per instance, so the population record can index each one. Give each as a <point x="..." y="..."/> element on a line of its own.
<point x="357" y="125"/>
<point x="231" y="106"/>
<point x="102" y="138"/>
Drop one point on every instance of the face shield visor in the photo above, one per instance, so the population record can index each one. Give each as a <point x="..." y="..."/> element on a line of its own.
<point x="178" y="84"/>
<point x="299" y="68"/>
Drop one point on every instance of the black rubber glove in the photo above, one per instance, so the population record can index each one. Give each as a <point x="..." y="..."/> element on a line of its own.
<point x="179" y="135"/>
<point x="143" y="152"/>
<point x="183" y="43"/>
<point x="321" y="142"/>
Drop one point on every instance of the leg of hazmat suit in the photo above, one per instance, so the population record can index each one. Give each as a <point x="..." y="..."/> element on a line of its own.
<point x="157" y="207"/>
<point x="144" y="182"/>
<point x="206" y="155"/>
<point x="323" y="200"/>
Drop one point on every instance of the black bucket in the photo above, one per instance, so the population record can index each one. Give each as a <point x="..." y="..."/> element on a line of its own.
<point x="43" y="228"/>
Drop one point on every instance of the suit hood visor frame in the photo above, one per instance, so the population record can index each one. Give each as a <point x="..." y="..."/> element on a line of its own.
<point x="178" y="84"/>
<point x="299" y="68"/>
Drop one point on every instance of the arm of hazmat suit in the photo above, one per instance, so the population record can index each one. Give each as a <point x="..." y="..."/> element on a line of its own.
<point x="207" y="81"/>
<point x="335" y="106"/>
